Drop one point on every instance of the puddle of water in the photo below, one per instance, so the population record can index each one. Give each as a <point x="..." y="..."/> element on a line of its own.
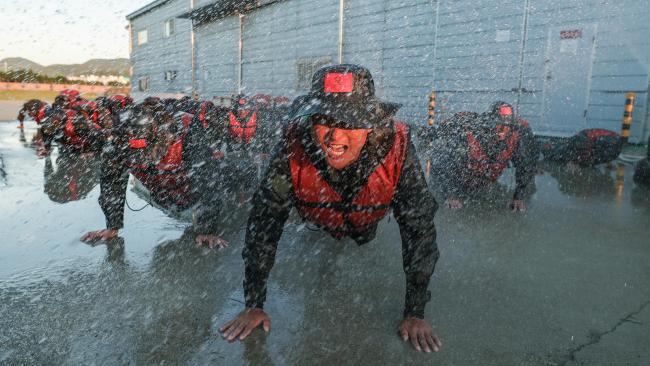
<point x="509" y="289"/>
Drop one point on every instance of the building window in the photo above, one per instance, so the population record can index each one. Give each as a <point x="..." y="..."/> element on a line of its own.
<point x="143" y="83"/>
<point x="306" y="69"/>
<point x="143" y="37"/>
<point x="170" y="75"/>
<point x="169" y="27"/>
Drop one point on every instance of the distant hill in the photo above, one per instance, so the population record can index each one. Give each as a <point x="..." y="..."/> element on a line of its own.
<point x="118" y="67"/>
<point x="18" y="63"/>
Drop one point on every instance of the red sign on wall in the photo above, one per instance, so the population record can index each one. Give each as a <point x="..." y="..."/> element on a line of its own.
<point x="571" y="34"/>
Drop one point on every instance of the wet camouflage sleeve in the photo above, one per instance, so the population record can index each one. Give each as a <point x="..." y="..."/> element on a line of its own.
<point x="447" y="164"/>
<point x="271" y="206"/>
<point x="525" y="162"/>
<point x="49" y="128"/>
<point x="414" y="208"/>
<point x="113" y="182"/>
<point x="205" y="175"/>
<point x="21" y="114"/>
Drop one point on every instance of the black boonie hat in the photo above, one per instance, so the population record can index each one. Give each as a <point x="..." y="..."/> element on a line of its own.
<point x="346" y="94"/>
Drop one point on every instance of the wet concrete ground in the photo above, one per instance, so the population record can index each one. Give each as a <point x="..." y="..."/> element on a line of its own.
<point x="566" y="283"/>
<point x="9" y="109"/>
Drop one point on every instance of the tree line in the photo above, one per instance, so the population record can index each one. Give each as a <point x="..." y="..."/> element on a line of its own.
<point x="29" y="76"/>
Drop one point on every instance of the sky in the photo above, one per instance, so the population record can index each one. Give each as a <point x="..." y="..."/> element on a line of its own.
<point x="65" y="31"/>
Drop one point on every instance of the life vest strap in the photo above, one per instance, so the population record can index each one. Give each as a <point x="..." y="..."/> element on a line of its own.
<point x="342" y="206"/>
<point x="346" y="229"/>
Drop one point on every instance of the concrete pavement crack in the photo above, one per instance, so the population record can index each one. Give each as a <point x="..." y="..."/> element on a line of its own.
<point x="595" y="339"/>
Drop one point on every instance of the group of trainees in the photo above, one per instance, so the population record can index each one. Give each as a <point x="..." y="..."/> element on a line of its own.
<point x="176" y="148"/>
<point x="339" y="156"/>
<point x="469" y="152"/>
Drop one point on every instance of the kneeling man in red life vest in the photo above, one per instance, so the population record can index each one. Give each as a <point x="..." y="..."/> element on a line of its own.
<point x="152" y="144"/>
<point x="35" y="109"/>
<point x="480" y="148"/>
<point x="242" y="123"/>
<point x="74" y="129"/>
<point x="38" y="111"/>
<point x="588" y="147"/>
<point x="344" y="163"/>
<point x="109" y="106"/>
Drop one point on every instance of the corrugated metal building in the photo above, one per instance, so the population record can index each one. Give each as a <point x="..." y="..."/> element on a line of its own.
<point x="566" y="65"/>
<point x="161" y="51"/>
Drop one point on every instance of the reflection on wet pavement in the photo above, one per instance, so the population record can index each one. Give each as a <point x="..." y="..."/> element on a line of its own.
<point x="564" y="283"/>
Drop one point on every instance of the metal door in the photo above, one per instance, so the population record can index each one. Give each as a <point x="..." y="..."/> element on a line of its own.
<point x="567" y="76"/>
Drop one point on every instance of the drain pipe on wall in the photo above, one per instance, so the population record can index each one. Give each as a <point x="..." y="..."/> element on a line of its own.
<point x="522" y="55"/>
<point x="432" y="96"/>
<point x="193" y="56"/>
<point x="240" y="71"/>
<point x="341" y="29"/>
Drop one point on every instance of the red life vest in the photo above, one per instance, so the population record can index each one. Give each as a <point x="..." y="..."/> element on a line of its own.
<point x="41" y="114"/>
<point x="70" y="94"/>
<point x="316" y="200"/>
<point x="243" y="132"/>
<point x="69" y="130"/>
<point x="602" y="146"/>
<point x="122" y="100"/>
<point x="71" y="136"/>
<point x="173" y="159"/>
<point x="167" y="181"/>
<point x="202" y="114"/>
<point x="89" y="110"/>
<point x="593" y="134"/>
<point x="479" y="161"/>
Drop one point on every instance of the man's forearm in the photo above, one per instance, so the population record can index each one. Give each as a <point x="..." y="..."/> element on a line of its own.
<point x="207" y="212"/>
<point x="112" y="197"/>
<point x="264" y="229"/>
<point x="420" y="257"/>
<point x="414" y="209"/>
<point x="271" y="207"/>
<point x="525" y="162"/>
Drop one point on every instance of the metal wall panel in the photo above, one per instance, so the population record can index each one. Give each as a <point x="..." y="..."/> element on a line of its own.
<point x="408" y="57"/>
<point x="277" y="36"/>
<point x="364" y="37"/>
<point x="469" y="51"/>
<point x="161" y="54"/>
<point x="473" y="69"/>
<point x="478" y="54"/>
<point x="217" y="57"/>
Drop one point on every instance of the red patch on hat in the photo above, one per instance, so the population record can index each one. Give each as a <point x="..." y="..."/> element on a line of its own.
<point x="336" y="82"/>
<point x="138" y="143"/>
<point x="505" y="110"/>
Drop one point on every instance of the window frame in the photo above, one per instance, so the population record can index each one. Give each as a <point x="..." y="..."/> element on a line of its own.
<point x="305" y="69"/>
<point x="141" y="41"/>
<point x="143" y="83"/>
<point x="169" y="28"/>
<point x="170" y="75"/>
